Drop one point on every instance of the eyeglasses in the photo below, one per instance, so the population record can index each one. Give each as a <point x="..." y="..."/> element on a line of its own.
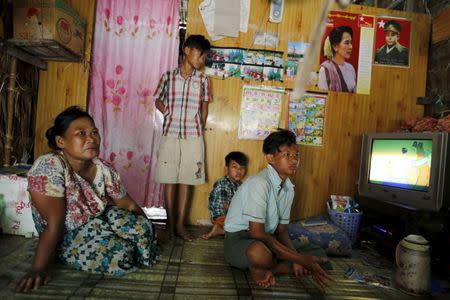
<point x="288" y="155"/>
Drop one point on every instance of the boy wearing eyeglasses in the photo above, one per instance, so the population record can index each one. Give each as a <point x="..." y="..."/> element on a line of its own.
<point x="256" y="235"/>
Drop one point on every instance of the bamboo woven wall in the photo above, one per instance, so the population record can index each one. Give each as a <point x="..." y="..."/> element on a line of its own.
<point x="333" y="168"/>
<point x="64" y="84"/>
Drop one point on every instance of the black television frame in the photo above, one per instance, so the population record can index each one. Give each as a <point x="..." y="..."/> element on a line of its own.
<point x="439" y="189"/>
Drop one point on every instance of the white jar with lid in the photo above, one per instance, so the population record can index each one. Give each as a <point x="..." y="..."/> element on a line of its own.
<point x="412" y="256"/>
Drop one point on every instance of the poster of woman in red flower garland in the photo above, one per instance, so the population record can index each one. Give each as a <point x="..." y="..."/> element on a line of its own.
<point x="392" y="42"/>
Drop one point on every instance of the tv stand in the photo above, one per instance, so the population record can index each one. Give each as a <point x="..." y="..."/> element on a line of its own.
<point x="387" y="224"/>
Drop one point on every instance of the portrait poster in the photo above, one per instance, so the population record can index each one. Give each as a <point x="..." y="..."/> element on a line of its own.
<point x="295" y="54"/>
<point x="346" y="53"/>
<point x="393" y="36"/>
<point x="260" y="111"/>
<point x="307" y="118"/>
<point x="245" y="63"/>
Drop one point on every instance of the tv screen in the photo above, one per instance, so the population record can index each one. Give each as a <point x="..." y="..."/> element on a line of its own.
<point x="408" y="169"/>
<point x="403" y="163"/>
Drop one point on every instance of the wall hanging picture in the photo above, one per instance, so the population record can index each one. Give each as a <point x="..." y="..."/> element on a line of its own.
<point x="307" y="118"/>
<point x="245" y="63"/>
<point x="392" y="42"/>
<point x="260" y="111"/>
<point x="346" y="53"/>
<point x="296" y="51"/>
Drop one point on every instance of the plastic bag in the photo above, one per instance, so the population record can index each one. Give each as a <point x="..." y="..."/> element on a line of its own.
<point x="343" y="204"/>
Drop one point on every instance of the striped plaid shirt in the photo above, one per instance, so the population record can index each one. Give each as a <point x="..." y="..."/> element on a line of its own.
<point x="183" y="101"/>
<point x="222" y="192"/>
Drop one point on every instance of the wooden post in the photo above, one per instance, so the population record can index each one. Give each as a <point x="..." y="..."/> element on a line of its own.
<point x="10" y="110"/>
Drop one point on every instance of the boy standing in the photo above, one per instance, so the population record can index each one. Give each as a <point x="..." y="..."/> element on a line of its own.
<point x="256" y="234"/>
<point x="182" y="96"/>
<point x="223" y="190"/>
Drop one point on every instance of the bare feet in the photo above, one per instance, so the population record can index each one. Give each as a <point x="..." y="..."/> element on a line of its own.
<point x="182" y="233"/>
<point x="263" y="278"/>
<point x="216" y="230"/>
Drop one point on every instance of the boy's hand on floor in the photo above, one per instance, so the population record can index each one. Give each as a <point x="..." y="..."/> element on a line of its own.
<point x="318" y="274"/>
<point x="299" y="270"/>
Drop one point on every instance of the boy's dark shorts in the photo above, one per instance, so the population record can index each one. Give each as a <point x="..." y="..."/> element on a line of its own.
<point x="236" y="244"/>
<point x="235" y="248"/>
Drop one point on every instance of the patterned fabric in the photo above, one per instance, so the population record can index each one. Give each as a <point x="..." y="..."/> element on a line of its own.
<point x="135" y="42"/>
<point x="262" y="199"/>
<point x="328" y="236"/>
<point x="113" y="243"/>
<point x="51" y="175"/>
<point x="220" y="196"/>
<point x="97" y="237"/>
<point x="183" y="99"/>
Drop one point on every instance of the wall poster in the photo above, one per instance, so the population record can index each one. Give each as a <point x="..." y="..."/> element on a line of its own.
<point x="245" y="63"/>
<point x="347" y="51"/>
<point x="392" y="42"/>
<point x="260" y="111"/>
<point x="307" y="118"/>
<point x="296" y="52"/>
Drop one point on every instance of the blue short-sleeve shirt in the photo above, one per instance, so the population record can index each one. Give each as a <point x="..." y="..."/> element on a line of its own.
<point x="262" y="198"/>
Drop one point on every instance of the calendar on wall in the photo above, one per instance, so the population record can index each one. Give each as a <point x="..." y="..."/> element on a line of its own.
<point x="307" y="118"/>
<point x="260" y="111"/>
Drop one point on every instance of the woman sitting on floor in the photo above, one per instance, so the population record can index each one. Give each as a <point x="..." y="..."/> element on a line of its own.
<point x="80" y="207"/>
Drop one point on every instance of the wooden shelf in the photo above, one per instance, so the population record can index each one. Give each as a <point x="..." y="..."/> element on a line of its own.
<point x="38" y="52"/>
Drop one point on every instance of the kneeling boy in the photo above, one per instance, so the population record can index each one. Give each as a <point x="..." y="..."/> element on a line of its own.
<point x="256" y="234"/>
<point x="223" y="190"/>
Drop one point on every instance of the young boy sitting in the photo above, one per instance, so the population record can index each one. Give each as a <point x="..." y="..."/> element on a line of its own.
<point x="256" y="234"/>
<point x="224" y="189"/>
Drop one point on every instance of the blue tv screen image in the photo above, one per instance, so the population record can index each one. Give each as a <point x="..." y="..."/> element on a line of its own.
<point x="402" y="163"/>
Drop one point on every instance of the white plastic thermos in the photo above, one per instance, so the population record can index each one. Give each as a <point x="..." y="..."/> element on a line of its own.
<point x="412" y="256"/>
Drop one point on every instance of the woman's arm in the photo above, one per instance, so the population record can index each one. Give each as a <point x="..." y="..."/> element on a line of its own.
<point x="128" y="203"/>
<point x="52" y="210"/>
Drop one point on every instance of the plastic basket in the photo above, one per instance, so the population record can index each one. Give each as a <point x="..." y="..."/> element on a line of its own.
<point x="349" y="222"/>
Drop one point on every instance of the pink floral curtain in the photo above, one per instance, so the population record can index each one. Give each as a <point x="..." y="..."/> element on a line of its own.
<point x="135" y="41"/>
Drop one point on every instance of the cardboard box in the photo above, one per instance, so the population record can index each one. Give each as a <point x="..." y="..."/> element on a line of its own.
<point x="49" y="20"/>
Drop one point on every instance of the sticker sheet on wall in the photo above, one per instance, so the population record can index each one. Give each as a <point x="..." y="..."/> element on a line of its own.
<point x="245" y="63"/>
<point x="307" y="118"/>
<point x="346" y="55"/>
<point x="260" y="111"/>
<point x="392" y="42"/>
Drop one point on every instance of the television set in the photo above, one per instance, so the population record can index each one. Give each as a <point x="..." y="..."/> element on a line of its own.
<point x="407" y="169"/>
